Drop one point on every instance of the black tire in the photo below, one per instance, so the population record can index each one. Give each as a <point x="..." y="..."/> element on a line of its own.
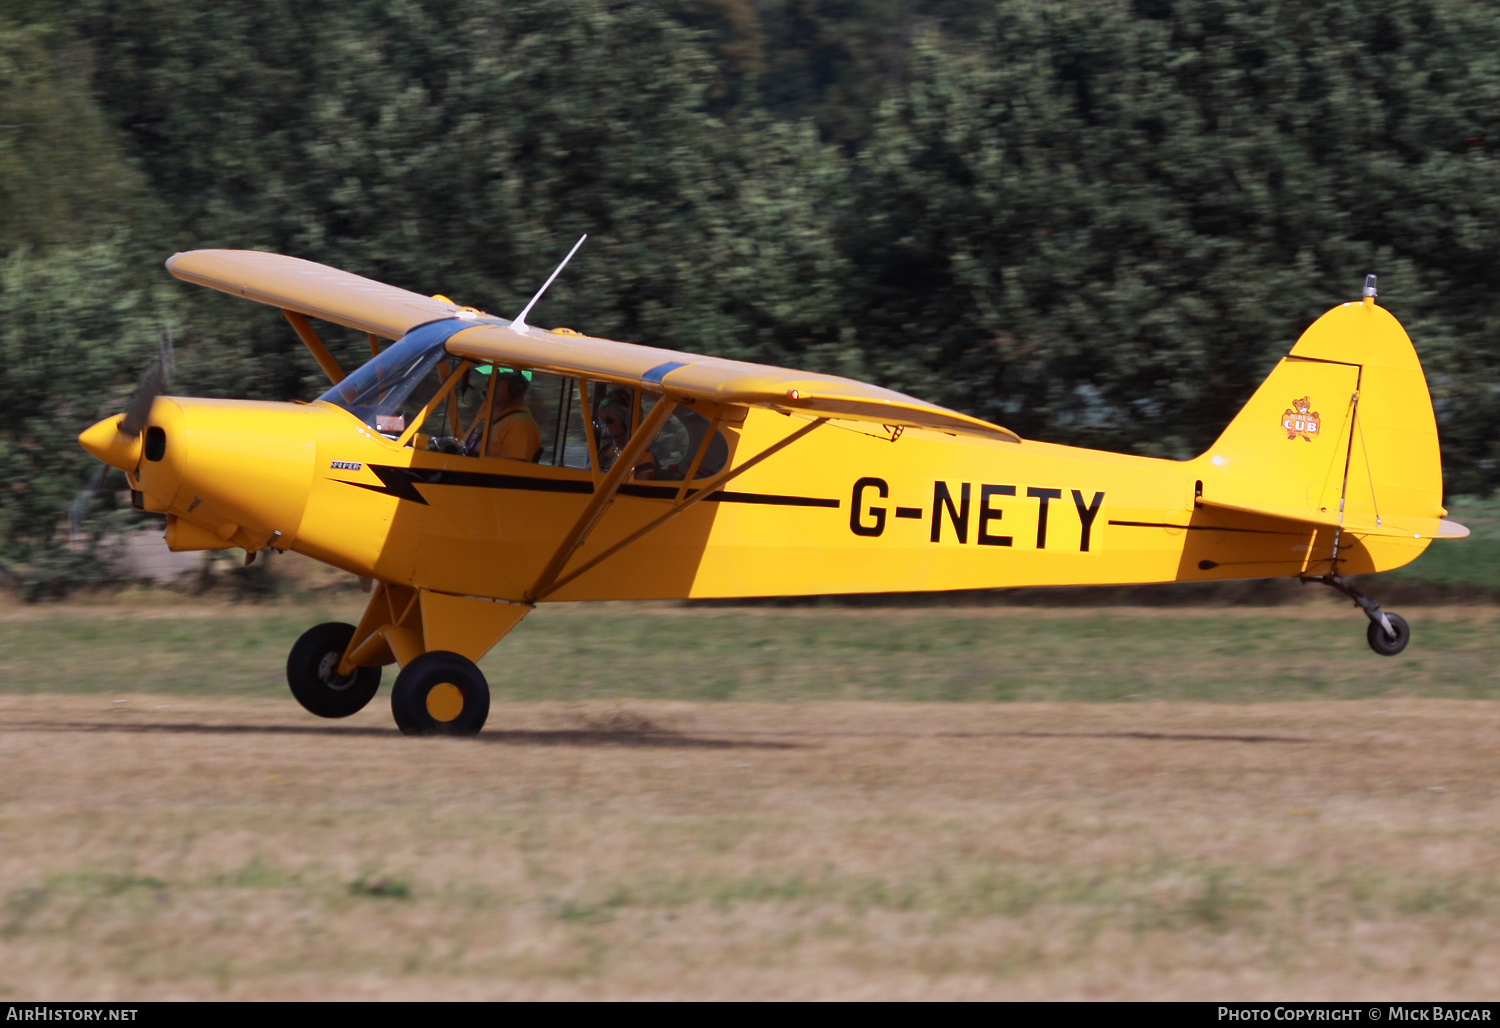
<point x="440" y="693"/>
<point x="1384" y="644"/>
<point x="311" y="667"/>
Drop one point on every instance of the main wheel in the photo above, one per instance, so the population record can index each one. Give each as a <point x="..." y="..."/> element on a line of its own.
<point x="440" y="693"/>
<point x="312" y="672"/>
<point x="1384" y="644"/>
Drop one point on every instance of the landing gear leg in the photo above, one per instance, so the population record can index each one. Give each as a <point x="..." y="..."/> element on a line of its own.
<point x="1388" y="633"/>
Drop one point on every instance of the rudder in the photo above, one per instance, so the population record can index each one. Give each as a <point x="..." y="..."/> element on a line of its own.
<point x="1342" y="432"/>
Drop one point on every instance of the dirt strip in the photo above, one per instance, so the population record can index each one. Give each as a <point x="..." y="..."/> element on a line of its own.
<point x="159" y="847"/>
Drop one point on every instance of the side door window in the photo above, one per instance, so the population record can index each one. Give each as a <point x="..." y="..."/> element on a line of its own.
<point x="465" y="422"/>
<point x="678" y="442"/>
<point x="618" y="413"/>
<point x="613" y="412"/>
<point x="557" y="405"/>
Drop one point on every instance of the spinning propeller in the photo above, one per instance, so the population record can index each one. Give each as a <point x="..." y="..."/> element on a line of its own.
<point x="129" y="428"/>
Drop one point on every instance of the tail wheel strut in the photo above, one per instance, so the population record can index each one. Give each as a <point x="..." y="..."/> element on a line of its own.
<point x="1388" y="633"/>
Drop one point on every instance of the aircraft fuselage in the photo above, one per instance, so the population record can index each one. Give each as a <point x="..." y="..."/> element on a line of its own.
<point x="841" y="510"/>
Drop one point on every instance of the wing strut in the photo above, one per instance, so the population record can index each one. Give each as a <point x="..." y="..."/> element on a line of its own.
<point x="603" y="496"/>
<point x="702" y="492"/>
<point x="312" y="342"/>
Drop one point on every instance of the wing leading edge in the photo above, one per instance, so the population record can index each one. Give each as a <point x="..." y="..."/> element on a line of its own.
<point x="313" y="290"/>
<point x="346" y="299"/>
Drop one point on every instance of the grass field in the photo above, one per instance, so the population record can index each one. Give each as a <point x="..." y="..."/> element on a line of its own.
<point x="1472" y="563"/>
<point x="661" y="651"/>
<point x="818" y="802"/>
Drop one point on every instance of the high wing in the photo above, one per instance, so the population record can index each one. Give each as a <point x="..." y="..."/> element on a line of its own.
<point x="317" y="291"/>
<point x="313" y="290"/>
<point x="693" y="377"/>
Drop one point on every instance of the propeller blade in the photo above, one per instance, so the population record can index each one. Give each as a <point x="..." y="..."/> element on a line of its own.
<point x="153" y="383"/>
<point x="140" y="408"/>
<point x="166" y="355"/>
<point x="80" y="505"/>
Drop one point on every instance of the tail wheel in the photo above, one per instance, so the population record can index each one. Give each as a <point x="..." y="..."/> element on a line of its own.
<point x="440" y="693"/>
<point x="1383" y="644"/>
<point x="312" y="672"/>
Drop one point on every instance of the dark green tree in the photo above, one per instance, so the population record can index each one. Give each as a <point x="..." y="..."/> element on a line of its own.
<point x="77" y="317"/>
<point x="1101" y="223"/>
<point x="1096" y="223"/>
<point x="461" y="148"/>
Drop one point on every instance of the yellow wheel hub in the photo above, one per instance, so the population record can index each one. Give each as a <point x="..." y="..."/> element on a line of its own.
<point x="444" y="702"/>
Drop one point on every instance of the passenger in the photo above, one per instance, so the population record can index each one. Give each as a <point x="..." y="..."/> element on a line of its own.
<point x="613" y="423"/>
<point x="514" y="434"/>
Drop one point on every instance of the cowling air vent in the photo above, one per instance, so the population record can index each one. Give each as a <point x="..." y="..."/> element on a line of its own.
<point x="156" y="443"/>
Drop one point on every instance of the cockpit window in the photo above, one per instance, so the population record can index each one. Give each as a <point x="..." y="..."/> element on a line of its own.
<point x="557" y="405"/>
<point x="619" y="413"/>
<point x="392" y="389"/>
<point x="676" y="444"/>
<point x="389" y="389"/>
<point x="614" y="420"/>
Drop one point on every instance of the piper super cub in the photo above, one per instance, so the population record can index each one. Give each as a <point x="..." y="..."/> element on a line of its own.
<point x="476" y="467"/>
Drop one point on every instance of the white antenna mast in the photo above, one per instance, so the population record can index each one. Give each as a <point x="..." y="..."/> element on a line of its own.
<point x="519" y="324"/>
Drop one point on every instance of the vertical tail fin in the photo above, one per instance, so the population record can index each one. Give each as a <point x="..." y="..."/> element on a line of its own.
<point x="1341" y="433"/>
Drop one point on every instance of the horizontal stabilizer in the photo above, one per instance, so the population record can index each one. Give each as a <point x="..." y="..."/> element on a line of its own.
<point x="1402" y="526"/>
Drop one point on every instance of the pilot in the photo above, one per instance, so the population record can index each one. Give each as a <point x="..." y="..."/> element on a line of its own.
<point x="514" y="434"/>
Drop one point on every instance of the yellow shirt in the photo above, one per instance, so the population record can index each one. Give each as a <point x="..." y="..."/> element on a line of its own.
<point x="515" y="435"/>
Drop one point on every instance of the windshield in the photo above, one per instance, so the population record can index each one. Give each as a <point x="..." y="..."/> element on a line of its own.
<point x="387" y="390"/>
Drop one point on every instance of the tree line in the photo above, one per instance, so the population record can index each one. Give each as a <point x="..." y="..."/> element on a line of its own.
<point x="1094" y="222"/>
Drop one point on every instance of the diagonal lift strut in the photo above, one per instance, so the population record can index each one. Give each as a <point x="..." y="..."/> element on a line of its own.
<point x="550" y="581"/>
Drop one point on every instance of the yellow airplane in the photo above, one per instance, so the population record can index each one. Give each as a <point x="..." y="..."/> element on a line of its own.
<point x="476" y="467"/>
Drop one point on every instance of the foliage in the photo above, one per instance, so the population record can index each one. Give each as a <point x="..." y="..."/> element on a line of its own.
<point x="74" y="329"/>
<point x="1097" y="223"/>
<point x="76" y="314"/>
<point x="1103" y="227"/>
<point x="461" y="147"/>
<point x="62" y="174"/>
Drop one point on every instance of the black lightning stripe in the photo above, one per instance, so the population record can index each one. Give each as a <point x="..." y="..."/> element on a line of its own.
<point x="402" y="482"/>
<point x="1201" y="528"/>
<point x="651" y="492"/>
<point x="669" y="492"/>
<point x="771" y="498"/>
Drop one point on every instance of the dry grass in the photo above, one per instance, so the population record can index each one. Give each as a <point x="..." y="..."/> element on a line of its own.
<point x="185" y="847"/>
